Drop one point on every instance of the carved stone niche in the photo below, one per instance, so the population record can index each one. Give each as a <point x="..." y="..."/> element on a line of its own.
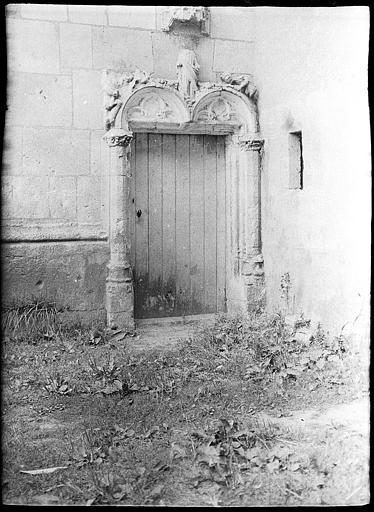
<point x="193" y="16"/>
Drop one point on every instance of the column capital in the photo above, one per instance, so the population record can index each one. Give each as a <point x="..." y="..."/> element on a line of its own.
<point x="247" y="143"/>
<point x="118" y="137"/>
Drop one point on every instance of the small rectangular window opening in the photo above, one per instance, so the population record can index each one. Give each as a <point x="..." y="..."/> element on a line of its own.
<point x="296" y="164"/>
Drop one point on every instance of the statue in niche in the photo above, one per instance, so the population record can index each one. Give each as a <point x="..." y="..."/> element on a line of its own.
<point x="187" y="72"/>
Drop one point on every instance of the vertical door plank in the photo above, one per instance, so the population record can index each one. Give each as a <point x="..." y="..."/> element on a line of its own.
<point x="182" y="228"/>
<point x="131" y="206"/>
<point x="221" y="225"/>
<point x="141" y="224"/>
<point x="210" y="219"/>
<point x="155" y="213"/>
<point x="197" y="224"/>
<point x="168" y="221"/>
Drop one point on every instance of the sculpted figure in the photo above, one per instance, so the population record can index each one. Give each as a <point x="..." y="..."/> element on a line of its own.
<point x="241" y="82"/>
<point x="187" y="72"/>
<point x="117" y="87"/>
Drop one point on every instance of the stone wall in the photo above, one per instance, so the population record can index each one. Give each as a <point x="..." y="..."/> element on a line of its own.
<point x="310" y="66"/>
<point x="55" y="164"/>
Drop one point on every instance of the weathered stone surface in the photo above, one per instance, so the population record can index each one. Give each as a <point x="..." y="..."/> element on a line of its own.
<point x="13" y="11"/>
<point x="75" y="46"/>
<point x="132" y="16"/>
<point x="121" y="48"/>
<point x="12" y="150"/>
<point x="27" y="197"/>
<point x="232" y="23"/>
<point x="53" y="12"/>
<point x="56" y="151"/>
<point x="170" y="45"/>
<point x="90" y="14"/>
<point x="62" y="198"/>
<point x="32" y="46"/>
<point x="89" y="199"/>
<point x="119" y="305"/>
<point x="233" y="57"/>
<point x="39" y="100"/>
<point x="6" y="196"/>
<point x="70" y="274"/>
<point x="99" y="154"/>
<point x="87" y="96"/>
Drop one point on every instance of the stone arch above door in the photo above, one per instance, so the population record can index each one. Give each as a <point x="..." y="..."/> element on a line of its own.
<point x="139" y="102"/>
<point x="140" y="97"/>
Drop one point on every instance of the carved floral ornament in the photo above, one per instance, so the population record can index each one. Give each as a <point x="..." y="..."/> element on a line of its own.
<point x="139" y="96"/>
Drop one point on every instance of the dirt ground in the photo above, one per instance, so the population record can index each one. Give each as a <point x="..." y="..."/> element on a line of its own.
<point x="192" y="428"/>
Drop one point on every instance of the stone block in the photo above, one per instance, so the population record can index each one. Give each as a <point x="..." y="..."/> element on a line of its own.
<point x="75" y="46"/>
<point x="12" y="150"/>
<point x="169" y="45"/>
<point x="99" y="154"/>
<point x="232" y="23"/>
<point x="122" y="48"/>
<point x="55" y="151"/>
<point x="39" y="100"/>
<point x="32" y="46"/>
<point x="87" y="99"/>
<point x="53" y="12"/>
<point x="70" y="274"/>
<point x="132" y="16"/>
<point x="233" y="57"/>
<point x="29" y="198"/>
<point x="62" y="198"/>
<point x="88" y="14"/>
<point x="89" y="200"/>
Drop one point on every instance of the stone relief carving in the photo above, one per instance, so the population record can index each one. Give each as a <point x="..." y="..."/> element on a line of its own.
<point x="242" y="83"/>
<point x="219" y="110"/>
<point x="118" y="137"/>
<point x="151" y="107"/>
<point x="187" y="15"/>
<point x="119" y="86"/>
<point x="187" y="73"/>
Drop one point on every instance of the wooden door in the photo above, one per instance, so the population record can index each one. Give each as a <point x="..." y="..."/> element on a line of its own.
<point x="178" y="224"/>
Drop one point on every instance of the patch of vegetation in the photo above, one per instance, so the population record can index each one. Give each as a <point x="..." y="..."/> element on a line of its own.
<point x="178" y="427"/>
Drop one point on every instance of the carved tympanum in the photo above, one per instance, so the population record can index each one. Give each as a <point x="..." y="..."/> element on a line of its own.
<point x="152" y="107"/>
<point x="219" y="110"/>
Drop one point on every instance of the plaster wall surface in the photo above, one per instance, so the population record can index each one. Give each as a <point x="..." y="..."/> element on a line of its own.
<point x="310" y="67"/>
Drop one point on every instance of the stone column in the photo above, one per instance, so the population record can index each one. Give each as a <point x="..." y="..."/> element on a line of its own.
<point x="119" y="283"/>
<point x="252" y="263"/>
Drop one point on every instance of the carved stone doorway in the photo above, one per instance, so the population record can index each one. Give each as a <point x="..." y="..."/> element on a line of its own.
<point x="137" y="103"/>
<point x="178" y="224"/>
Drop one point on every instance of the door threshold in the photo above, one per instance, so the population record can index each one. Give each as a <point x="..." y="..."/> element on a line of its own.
<point x="167" y="320"/>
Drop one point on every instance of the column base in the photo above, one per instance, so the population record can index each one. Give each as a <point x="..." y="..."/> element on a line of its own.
<point x="120" y="305"/>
